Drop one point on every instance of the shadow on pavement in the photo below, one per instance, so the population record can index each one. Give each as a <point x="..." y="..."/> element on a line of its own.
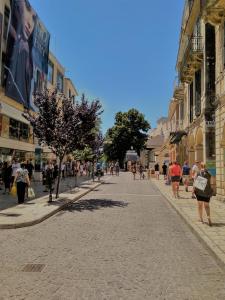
<point x="9" y="215"/>
<point x="218" y="224"/>
<point x="94" y="204"/>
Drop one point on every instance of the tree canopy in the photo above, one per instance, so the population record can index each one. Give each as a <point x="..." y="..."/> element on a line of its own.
<point x="129" y="130"/>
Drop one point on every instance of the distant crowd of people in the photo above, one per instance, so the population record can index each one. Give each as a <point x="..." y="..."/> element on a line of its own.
<point x="174" y="174"/>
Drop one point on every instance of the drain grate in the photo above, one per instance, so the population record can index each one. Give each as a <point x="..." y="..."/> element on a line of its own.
<point x="33" y="268"/>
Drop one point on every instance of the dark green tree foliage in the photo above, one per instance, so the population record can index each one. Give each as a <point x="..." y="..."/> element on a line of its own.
<point x="130" y="129"/>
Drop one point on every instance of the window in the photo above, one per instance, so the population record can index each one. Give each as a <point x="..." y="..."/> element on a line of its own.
<point x="69" y="93"/>
<point x="6" y="22"/>
<point x="198" y="93"/>
<point x="60" y="82"/>
<point x="3" y="70"/>
<point x="50" y="72"/>
<point x="18" y="130"/>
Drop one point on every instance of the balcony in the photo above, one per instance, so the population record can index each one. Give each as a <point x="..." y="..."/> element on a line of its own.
<point x="213" y="11"/>
<point x="192" y="59"/>
<point x="178" y="92"/>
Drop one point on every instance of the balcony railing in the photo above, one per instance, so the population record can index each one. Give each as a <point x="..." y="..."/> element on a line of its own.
<point x="192" y="59"/>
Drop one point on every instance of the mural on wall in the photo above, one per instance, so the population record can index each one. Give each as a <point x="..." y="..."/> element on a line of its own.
<point x="26" y="67"/>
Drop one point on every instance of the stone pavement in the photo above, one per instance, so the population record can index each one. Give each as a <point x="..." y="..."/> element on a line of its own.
<point x="122" y="241"/>
<point x="213" y="237"/>
<point x="66" y="184"/>
<point x="37" y="210"/>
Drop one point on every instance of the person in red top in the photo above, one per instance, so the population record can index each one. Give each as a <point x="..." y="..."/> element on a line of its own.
<point x="175" y="178"/>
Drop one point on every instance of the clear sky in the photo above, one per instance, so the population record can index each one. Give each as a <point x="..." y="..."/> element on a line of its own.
<point x="120" y="51"/>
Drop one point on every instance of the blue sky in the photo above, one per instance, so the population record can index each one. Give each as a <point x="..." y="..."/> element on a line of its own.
<point x="120" y="51"/>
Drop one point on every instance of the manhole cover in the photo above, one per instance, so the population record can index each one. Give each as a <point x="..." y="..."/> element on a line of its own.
<point x="33" y="268"/>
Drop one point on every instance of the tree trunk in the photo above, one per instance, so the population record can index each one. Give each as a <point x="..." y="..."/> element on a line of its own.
<point x="58" y="180"/>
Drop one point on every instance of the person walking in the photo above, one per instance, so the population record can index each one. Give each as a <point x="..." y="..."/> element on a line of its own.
<point x="21" y="180"/>
<point x="134" y="171"/>
<point x="175" y="178"/>
<point x="6" y="176"/>
<point x="203" y="196"/>
<point x="164" y="168"/>
<point x="15" y="166"/>
<point x="186" y="175"/>
<point x="157" y="171"/>
<point x="30" y="168"/>
<point x="194" y="171"/>
<point x="117" y="167"/>
<point x="141" y="171"/>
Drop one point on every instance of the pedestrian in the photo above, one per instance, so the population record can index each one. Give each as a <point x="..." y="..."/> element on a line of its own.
<point x="63" y="166"/>
<point x="203" y="196"/>
<point x="117" y="166"/>
<point x="186" y="175"/>
<point x="50" y="176"/>
<point x="141" y="171"/>
<point x="30" y="168"/>
<point x="134" y="170"/>
<point x="15" y="166"/>
<point x="111" y="168"/>
<point x="6" y="176"/>
<point x="157" y="171"/>
<point x="81" y="169"/>
<point x="194" y="171"/>
<point x="164" y="168"/>
<point x="175" y="178"/>
<point x="21" y="180"/>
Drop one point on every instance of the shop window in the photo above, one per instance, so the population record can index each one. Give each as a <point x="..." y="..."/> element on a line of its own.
<point x="18" y="130"/>
<point x="50" y="72"/>
<point x="14" y="129"/>
<point x="6" y="22"/>
<point x="198" y="93"/>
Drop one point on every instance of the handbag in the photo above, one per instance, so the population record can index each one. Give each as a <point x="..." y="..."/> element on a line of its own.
<point x="200" y="183"/>
<point x="30" y="192"/>
<point x="13" y="191"/>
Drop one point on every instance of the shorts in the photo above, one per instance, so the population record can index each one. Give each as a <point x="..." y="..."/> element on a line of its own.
<point x="175" y="178"/>
<point x="201" y="198"/>
<point x="156" y="172"/>
<point x="186" y="177"/>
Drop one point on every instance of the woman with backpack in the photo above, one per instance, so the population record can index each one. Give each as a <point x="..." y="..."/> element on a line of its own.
<point x="203" y="193"/>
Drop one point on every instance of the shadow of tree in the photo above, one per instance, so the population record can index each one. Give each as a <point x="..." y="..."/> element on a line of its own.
<point x="94" y="204"/>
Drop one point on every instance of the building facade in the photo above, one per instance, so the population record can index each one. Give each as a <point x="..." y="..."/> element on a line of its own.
<point x="37" y="68"/>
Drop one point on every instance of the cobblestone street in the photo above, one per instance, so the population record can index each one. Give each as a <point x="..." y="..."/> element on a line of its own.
<point x="122" y="241"/>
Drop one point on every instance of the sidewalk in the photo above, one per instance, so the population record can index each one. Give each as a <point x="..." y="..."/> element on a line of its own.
<point x="213" y="237"/>
<point x="7" y="201"/>
<point x="37" y="210"/>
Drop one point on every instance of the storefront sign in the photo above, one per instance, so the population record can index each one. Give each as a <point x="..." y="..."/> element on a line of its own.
<point x="211" y="167"/>
<point x="27" y="52"/>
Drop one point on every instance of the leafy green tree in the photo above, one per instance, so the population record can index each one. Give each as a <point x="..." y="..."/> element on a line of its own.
<point x="129" y="130"/>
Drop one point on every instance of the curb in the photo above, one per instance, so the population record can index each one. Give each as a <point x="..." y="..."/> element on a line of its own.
<point x="50" y="214"/>
<point x="207" y="242"/>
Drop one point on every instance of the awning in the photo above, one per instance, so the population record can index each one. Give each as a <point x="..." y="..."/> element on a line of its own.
<point x="175" y="137"/>
<point x="13" y="113"/>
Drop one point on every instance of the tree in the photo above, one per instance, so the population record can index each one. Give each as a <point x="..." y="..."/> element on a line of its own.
<point x="62" y="126"/>
<point x="130" y="129"/>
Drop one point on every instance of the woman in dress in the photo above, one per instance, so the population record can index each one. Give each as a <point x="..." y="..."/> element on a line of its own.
<point x="203" y="196"/>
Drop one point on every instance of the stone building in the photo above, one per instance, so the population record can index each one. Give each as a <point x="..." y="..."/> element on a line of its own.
<point x="197" y="107"/>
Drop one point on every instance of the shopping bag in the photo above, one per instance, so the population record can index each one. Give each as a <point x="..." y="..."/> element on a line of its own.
<point x="13" y="191"/>
<point x="200" y="183"/>
<point x="30" y="193"/>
